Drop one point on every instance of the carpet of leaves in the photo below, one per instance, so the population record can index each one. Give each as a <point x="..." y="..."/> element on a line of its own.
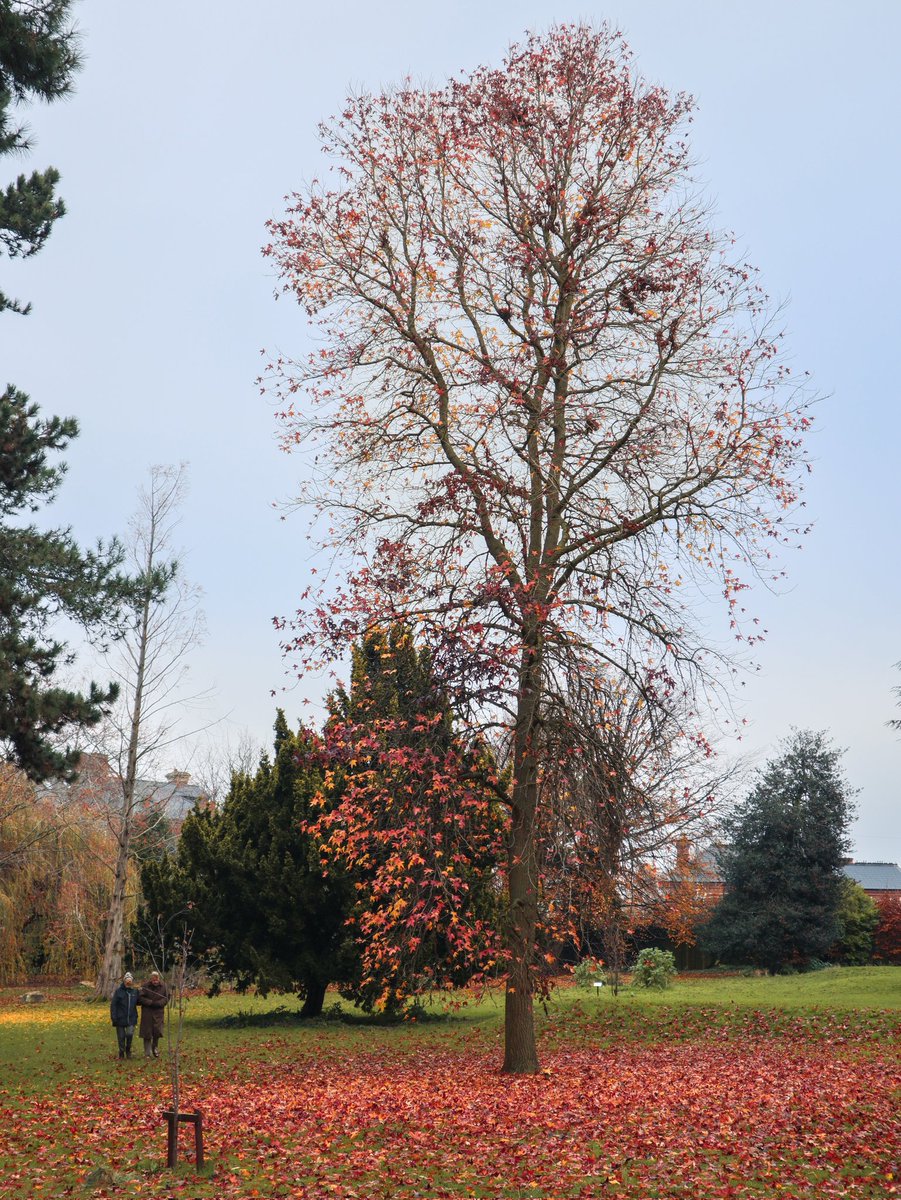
<point x="762" y="1105"/>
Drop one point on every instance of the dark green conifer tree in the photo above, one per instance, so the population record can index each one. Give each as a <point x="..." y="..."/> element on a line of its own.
<point x="782" y="864"/>
<point x="250" y="877"/>
<point x="44" y="575"/>
<point x="38" y="60"/>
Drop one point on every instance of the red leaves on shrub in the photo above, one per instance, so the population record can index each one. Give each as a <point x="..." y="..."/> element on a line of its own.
<point x="887" y="937"/>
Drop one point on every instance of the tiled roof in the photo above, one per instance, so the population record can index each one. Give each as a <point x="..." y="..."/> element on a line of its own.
<point x="176" y="799"/>
<point x="875" y="876"/>
<point x="707" y="865"/>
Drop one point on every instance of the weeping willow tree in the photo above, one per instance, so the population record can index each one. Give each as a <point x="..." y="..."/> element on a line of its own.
<point x="54" y="882"/>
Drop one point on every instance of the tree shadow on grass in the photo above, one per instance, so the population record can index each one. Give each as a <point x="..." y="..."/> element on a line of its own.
<point x="415" y="1014"/>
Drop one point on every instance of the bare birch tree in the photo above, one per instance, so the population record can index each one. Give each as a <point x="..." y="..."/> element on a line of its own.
<point x="164" y="624"/>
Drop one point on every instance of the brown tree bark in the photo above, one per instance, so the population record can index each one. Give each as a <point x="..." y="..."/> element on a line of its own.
<point x="314" y="999"/>
<point x="520" y="1051"/>
<point x="114" y="938"/>
<point x="114" y="941"/>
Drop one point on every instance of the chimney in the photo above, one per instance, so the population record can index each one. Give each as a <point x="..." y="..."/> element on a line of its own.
<point x="178" y="779"/>
<point x="93" y="767"/>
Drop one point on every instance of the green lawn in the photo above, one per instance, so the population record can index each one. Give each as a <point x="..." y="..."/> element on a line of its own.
<point x="67" y="1034"/>
<point x="835" y="987"/>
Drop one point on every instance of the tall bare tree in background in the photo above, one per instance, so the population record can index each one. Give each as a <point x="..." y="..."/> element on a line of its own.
<point x="214" y="767"/>
<point x="165" y="623"/>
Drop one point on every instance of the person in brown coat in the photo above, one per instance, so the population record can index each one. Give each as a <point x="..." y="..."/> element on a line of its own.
<point x="153" y="998"/>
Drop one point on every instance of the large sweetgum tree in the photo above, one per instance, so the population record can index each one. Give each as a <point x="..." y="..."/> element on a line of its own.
<point x="545" y="408"/>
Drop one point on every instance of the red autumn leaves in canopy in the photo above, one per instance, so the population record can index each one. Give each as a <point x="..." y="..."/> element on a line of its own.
<point x="546" y="391"/>
<point x="416" y="829"/>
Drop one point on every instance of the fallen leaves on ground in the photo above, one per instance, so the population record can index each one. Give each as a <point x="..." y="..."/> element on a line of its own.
<point x="738" y="1113"/>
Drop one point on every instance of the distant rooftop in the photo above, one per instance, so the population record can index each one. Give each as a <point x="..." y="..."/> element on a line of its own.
<point x="177" y="796"/>
<point x="97" y="781"/>
<point x="875" y="876"/>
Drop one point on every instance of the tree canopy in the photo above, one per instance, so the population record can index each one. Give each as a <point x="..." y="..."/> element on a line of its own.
<point x="858" y="918"/>
<point x="161" y="623"/>
<point x="782" y="861"/>
<point x="412" y="815"/>
<point x="46" y="576"/>
<point x="38" y="60"/>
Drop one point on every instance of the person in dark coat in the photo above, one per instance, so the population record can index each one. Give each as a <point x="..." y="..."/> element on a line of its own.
<point x="123" y="1011"/>
<point x="153" y="997"/>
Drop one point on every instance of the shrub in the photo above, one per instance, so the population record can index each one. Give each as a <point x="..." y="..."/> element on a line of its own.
<point x="887" y="937"/>
<point x="654" y="968"/>
<point x="858" y="918"/>
<point x="589" y="970"/>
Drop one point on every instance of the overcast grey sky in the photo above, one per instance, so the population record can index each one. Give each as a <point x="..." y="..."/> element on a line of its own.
<point x="192" y="119"/>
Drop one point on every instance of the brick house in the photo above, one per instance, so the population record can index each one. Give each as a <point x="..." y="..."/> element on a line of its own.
<point x="699" y="867"/>
<point x="876" y="878"/>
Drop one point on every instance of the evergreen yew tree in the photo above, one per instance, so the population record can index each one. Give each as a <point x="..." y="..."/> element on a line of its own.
<point x="783" y="859"/>
<point x="45" y="574"/>
<point x="250" y="874"/>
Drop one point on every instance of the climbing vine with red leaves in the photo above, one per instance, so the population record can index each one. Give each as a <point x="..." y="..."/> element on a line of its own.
<point x="412" y="813"/>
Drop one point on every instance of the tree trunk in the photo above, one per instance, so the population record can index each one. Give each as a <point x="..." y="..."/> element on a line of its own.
<point x="114" y="937"/>
<point x="114" y="946"/>
<point x="520" y="1051"/>
<point x="314" y="999"/>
